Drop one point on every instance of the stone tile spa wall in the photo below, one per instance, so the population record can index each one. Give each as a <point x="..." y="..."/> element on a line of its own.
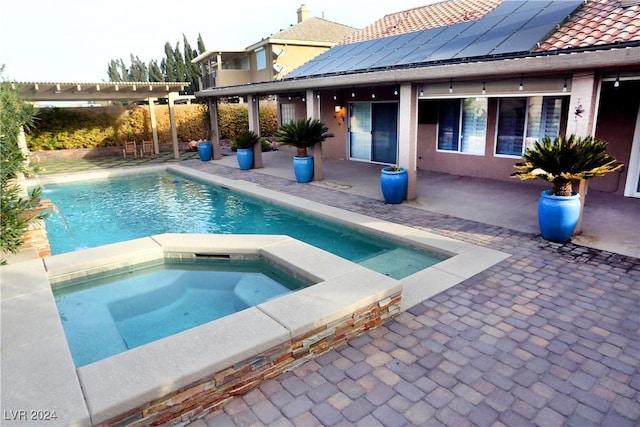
<point x="198" y="399"/>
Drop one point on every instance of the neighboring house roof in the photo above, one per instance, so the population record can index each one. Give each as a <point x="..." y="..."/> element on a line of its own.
<point x="597" y="23"/>
<point x="434" y="15"/>
<point x="315" y="30"/>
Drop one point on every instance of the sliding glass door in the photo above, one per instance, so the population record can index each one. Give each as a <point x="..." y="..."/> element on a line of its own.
<point x="373" y="131"/>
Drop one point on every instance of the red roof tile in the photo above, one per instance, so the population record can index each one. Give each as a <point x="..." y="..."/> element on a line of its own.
<point x="598" y="22"/>
<point x="440" y="14"/>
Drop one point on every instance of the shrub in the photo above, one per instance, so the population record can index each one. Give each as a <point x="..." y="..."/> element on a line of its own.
<point x="62" y="128"/>
<point x="16" y="115"/>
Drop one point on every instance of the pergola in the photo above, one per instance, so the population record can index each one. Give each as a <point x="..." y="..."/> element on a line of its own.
<point x="110" y="91"/>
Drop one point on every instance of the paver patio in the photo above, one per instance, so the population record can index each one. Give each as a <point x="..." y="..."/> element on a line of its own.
<point x="547" y="337"/>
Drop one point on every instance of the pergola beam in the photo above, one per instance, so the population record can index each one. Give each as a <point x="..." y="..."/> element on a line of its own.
<point x="110" y="91"/>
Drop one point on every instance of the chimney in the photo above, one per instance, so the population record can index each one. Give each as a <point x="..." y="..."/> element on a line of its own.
<point x="303" y="13"/>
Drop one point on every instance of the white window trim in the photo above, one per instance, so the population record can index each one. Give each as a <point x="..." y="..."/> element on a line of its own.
<point x="484" y="148"/>
<point x="526" y="121"/>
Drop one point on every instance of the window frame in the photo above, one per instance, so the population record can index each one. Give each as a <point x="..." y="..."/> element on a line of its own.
<point x="525" y="133"/>
<point x="261" y="58"/>
<point x="460" y="122"/>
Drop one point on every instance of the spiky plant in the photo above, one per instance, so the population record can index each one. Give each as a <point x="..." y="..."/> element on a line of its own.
<point x="245" y="139"/>
<point x="564" y="160"/>
<point x="303" y="134"/>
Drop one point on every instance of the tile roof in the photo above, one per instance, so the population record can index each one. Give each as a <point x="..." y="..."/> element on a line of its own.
<point x="598" y="22"/>
<point x="439" y="14"/>
<point x="317" y="30"/>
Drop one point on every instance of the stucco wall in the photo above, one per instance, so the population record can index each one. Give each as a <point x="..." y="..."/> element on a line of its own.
<point x="617" y="114"/>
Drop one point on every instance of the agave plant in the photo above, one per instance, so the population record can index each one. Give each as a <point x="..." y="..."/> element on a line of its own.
<point x="564" y="160"/>
<point x="302" y="134"/>
<point x="246" y="139"/>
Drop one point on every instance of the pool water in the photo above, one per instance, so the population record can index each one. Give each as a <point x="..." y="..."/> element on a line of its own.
<point x="110" y="313"/>
<point x="103" y="211"/>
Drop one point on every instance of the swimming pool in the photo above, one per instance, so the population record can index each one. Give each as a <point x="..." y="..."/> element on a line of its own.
<point x="108" y="313"/>
<point x="102" y="211"/>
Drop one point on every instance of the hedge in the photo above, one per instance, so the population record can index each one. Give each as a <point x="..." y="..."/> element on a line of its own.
<point x="90" y="127"/>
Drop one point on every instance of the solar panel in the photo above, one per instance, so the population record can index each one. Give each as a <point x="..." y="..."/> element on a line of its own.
<point x="515" y="26"/>
<point x="440" y="39"/>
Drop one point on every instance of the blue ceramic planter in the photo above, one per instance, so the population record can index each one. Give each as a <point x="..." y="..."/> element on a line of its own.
<point x="205" y="151"/>
<point x="394" y="184"/>
<point x="303" y="168"/>
<point x="245" y="158"/>
<point x="558" y="216"/>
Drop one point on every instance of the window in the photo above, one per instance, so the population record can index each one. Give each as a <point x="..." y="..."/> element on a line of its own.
<point x="261" y="58"/>
<point x="522" y="121"/>
<point x="462" y="125"/>
<point x="287" y="113"/>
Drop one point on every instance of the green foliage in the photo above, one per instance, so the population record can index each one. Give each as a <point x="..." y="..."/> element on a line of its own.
<point x="245" y="139"/>
<point x="303" y="134"/>
<point x="16" y="115"/>
<point x="232" y="119"/>
<point x="268" y="120"/>
<point x="564" y="160"/>
<point x="174" y="67"/>
<point x="67" y="128"/>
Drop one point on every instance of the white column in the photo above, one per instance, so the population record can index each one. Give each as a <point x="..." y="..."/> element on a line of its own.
<point x="214" y="128"/>
<point x="408" y="136"/>
<point x="583" y="104"/>
<point x="313" y="111"/>
<point x="154" y="124"/>
<point x="583" y="107"/>
<point x="172" y="120"/>
<point x="253" y="102"/>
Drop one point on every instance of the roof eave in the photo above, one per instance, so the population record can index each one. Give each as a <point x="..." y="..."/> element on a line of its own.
<point x="557" y="61"/>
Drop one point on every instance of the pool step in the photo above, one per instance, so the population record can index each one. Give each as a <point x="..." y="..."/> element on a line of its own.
<point x="396" y="263"/>
<point x="254" y="288"/>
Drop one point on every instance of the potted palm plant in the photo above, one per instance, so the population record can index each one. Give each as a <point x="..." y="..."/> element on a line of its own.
<point x="244" y="143"/>
<point x="303" y="134"/>
<point x="563" y="161"/>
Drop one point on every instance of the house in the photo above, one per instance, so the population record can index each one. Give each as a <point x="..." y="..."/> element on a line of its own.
<point x="273" y="57"/>
<point x="469" y="96"/>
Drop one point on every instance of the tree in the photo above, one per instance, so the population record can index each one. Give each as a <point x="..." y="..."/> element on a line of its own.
<point x="192" y="70"/>
<point x="16" y="116"/>
<point x="138" y="70"/>
<point x="155" y="72"/>
<point x="201" y="48"/>
<point x="114" y="73"/>
<point x="174" y="67"/>
<point x="181" y="72"/>
<point x="170" y="72"/>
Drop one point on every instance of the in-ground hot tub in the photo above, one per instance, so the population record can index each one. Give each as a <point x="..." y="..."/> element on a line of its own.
<point x="201" y="367"/>
<point x="112" y="312"/>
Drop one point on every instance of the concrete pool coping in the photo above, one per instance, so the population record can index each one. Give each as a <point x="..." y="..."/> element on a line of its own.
<point x="37" y="366"/>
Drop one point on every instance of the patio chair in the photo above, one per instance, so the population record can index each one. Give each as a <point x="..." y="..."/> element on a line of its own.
<point x="129" y="148"/>
<point x="147" y="148"/>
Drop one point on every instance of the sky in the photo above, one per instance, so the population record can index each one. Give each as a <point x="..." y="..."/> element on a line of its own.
<point x="74" y="40"/>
